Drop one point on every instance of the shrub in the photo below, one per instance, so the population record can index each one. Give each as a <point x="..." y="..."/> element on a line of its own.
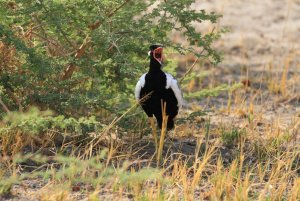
<point x="84" y="57"/>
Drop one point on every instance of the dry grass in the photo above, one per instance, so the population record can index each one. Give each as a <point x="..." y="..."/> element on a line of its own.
<point x="251" y="159"/>
<point x="237" y="152"/>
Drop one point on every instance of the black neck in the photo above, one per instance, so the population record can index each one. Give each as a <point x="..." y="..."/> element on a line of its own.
<point x="154" y="65"/>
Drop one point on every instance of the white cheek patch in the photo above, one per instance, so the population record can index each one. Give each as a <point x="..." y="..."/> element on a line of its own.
<point x="149" y="53"/>
<point x="139" y="85"/>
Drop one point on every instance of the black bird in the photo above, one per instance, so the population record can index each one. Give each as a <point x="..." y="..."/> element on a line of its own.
<point x="161" y="88"/>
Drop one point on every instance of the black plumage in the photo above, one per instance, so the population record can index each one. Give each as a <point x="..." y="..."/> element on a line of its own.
<point x="155" y="83"/>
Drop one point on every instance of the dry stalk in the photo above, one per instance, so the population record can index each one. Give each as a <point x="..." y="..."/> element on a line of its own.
<point x="94" y="142"/>
<point x="201" y="165"/>
<point x="154" y="133"/>
<point x="163" y="132"/>
<point x="5" y="108"/>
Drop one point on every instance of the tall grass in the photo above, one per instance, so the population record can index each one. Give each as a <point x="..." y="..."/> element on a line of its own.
<point x="255" y="169"/>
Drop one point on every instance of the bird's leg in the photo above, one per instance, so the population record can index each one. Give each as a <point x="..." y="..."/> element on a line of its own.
<point x="154" y="131"/>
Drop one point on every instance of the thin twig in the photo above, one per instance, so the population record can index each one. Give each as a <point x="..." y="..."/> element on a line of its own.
<point x="71" y="67"/>
<point x="193" y="65"/>
<point x="116" y="120"/>
<point x="58" y="27"/>
<point x="188" y="71"/>
<point x="53" y="42"/>
<point x="5" y="108"/>
<point x="118" y="8"/>
<point x="15" y="98"/>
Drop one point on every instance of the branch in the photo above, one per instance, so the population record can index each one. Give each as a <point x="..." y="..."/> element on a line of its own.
<point x="98" y="22"/>
<point x="5" y="108"/>
<point x="114" y="121"/>
<point x="193" y="65"/>
<point x="53" y="42"/>
<point x="63" y="33"/>
<point x="15" y="98"/>
<point x="68" y="72"/>
<point x="190" y="69"/>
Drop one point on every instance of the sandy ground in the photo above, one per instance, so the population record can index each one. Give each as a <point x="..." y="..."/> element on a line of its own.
<point x="263" y="41"/>
<point x="260" y="32"/>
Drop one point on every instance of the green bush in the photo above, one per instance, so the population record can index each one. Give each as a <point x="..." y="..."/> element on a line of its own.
<point x="35" y="122"/>
<point x="75" y="171"/>
<point x="83" y="58"/>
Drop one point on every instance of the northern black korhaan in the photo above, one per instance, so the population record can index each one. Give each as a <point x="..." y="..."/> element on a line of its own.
<point x="161" y="89"/>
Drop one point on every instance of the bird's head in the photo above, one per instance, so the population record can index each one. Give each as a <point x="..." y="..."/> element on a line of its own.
<point x="155" y="53"/>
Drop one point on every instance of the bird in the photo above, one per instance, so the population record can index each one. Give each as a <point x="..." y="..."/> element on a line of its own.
<point x="161" y="88"/>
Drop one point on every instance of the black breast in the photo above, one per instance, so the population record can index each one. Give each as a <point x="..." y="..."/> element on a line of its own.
<point x="155" y="82"/>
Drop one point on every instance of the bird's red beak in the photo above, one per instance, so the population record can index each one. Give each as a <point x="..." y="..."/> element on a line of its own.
<point x="157" y="54"/>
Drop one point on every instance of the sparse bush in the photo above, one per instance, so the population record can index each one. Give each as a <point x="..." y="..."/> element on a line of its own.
<point x="35" y="122"/>
<point x="40" y="128"/>
<point x="75" y="173"/>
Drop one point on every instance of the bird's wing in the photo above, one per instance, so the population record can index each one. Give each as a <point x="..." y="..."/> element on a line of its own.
<point x="172" y="83"/>
<point x="139" y="85"/>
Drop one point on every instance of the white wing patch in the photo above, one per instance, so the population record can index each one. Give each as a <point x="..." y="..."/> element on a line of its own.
<point x="139" y="85"/>
<point x="172" y="83"/>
